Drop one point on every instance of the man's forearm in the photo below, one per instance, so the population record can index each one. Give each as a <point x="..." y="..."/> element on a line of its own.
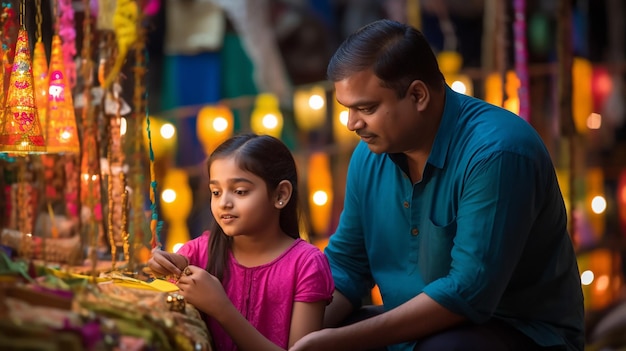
<point x="415" y="319"/>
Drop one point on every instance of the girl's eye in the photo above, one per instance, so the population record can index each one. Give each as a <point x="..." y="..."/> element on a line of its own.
<point x="241" y="192"/>
<point x="215" y="193"/>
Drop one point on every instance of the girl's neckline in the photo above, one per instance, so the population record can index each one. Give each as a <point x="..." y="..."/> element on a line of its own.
<point x="278" y="258"/>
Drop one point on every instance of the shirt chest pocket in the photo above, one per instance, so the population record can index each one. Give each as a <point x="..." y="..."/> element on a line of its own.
<point x="435" y="247"/>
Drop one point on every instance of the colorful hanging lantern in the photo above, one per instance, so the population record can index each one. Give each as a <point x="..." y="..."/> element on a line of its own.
<point x="176" y="202"/>
<point x="344" y="138"/>
<point x="214" y="125"/>
<point x="450" y="63"/>
<point x="310" y="107"/>
<point x="582" y="99"/>
<point x="594" y="196"/>
<point x="493" y="89"/>
<point x="163" y="136"/>
<point x="512" y="86"/>
<point x="601" y="87"/>
<point x="40" y="80"/>
<point x="21" y="131"/>
<point x="320" y="190"/>
<point x="62" y="133"/>
<point x="266" y="117"/>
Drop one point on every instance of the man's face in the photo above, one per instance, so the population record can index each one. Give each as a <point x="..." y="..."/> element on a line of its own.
<point x="382" y="120"/>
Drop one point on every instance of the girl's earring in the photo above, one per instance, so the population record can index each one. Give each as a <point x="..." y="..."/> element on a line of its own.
<point x="280" y="203"/>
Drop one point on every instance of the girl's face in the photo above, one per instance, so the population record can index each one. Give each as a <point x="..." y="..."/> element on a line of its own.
<point x="240" y="201"/>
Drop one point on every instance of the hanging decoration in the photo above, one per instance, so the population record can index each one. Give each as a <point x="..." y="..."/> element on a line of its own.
<point x="450" y="63"/>
<point x="155" y="225"/>
<point x="125" y="27"/>
<point x="343" y="137"/>
<point x="40" y="71"/>
<point x="62" y="132"/>
<point x="521" y="57"/>
<point x="90" y="172"/>
<point x="21" y="132"/>
<point x="137" y="154"/>
<point x="116" y="186"/>
<point x="320" y="190"/>
<point x="66" y="30"/>
<point x="309" y="107"/>
<point x="266" y="117"/>
<point x="176" y="202"/>
<point x="582" y="98"/>
<point x="215" y="124"/>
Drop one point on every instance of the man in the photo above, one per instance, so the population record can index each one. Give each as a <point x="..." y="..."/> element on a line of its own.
<point x="452" y="207"/>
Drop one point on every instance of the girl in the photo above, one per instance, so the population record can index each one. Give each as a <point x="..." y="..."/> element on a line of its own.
<point x="264" y="287"/>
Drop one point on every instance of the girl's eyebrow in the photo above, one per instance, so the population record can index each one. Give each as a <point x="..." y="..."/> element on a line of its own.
<point x="233" y="181"/>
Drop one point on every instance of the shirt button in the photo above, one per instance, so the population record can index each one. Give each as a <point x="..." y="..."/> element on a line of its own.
<point x="414" y="232"/>
<point x="406" y="204"/>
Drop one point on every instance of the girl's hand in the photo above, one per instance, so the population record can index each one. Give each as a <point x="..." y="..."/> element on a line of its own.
<point x="163" y="263"/>
<point x="203" y="290"/>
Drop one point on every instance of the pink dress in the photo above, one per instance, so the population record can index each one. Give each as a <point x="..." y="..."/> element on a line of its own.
<point x="265" y="294"/>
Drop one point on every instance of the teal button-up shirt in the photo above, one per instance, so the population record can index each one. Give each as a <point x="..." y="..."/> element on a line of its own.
<point x="483" y="233"/>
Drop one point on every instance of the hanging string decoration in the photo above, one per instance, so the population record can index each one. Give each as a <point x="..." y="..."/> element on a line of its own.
<point x="521" y="57"/>
<point x="40" y="71"/>
<point x="138" y="230"/>
<point x="125" y="28"/>
<point x="155" y="225"/>
<point x="8" y="20"/>
<point x="67" y="32"/>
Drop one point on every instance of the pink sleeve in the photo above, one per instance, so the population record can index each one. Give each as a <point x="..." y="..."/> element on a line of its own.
<point x="315" y="281"/>
<point x="196" y="250"/>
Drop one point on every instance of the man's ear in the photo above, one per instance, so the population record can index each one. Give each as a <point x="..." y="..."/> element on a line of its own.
<point x="419" y="94"/>
<point x="283" y="194"/>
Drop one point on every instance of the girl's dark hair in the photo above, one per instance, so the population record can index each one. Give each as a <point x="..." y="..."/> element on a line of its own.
<point x="268" y="158"/>
<point x="397" y="53"/>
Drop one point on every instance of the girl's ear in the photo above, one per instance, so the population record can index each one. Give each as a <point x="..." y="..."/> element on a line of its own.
<point x="283" y="194"/>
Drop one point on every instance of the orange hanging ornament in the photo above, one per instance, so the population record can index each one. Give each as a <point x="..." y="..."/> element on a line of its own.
<point x="40" y="81"/>
<point x="61" y="134"/>
<point x="20" y="130"/>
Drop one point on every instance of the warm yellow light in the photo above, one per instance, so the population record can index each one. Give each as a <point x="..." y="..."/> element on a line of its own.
<point x="220" y="124"/>
<point x="320" y="198"/>
<point x="168" y="196"/>
<point x="270" y="121"/>
<point x="316" y="102"/>
<point x="123" y="126"/>
<point x="320" y="189"/>
<point x="66" y="135"/>
<point x="586" y="277"/>
<point x="266" y="117"/>
<point x="459" y="87"/>
<point x="598" y="204"/>
<point x="343" y="117"/>
<point x="602" y="283"/>
<point x="168" y="131"/>
<point x="176" y="206"/>
<point x="214" y="125"/>
<point x="308" y="107"/>
<point x="594" y="121"/>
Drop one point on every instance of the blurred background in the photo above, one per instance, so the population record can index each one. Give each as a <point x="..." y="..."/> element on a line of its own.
<point x="193" y="72"/>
